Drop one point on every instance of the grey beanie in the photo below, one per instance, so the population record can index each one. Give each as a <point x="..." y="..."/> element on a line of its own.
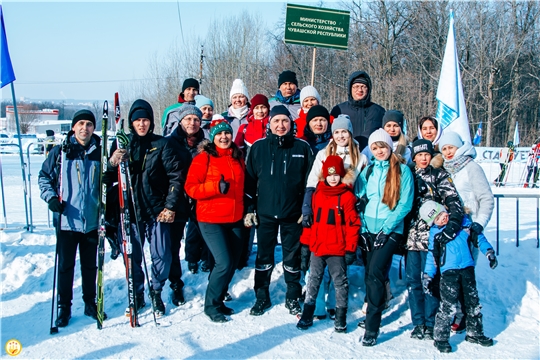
<point x="430" y="210"/>
<point x="342" y="122"/>
<point x="188" y="109"/>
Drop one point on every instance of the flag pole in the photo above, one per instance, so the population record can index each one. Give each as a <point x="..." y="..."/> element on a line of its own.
<point x="3" y="196"/>
<point x="23" y="165"/>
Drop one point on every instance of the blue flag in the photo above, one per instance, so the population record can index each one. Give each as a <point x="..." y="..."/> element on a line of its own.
<point x="7" y="76"/>
<point x="478" y="136"/>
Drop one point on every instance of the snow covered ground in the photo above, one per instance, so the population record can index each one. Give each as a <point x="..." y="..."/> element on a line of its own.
<point x="510" y="296"/>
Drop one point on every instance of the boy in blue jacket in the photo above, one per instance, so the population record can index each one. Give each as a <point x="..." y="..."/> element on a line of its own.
<point x="456" y="265"/>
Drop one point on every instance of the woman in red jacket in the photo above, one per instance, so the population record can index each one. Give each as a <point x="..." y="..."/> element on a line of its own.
<point x="332" y="239"/>
<point x="216" y="181"/>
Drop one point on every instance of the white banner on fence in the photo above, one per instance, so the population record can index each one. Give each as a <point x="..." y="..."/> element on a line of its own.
<point x="491" y="154"/>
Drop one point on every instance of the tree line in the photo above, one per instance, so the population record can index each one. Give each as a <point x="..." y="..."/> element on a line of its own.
<point x="399" y="43"/>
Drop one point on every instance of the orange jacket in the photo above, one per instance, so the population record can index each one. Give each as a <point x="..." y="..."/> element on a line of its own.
<point x="202" y="184"/>
<point x="336" y="224"/>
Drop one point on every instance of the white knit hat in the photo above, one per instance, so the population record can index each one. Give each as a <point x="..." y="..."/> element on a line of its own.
<point x="380" y="135"/>
<point x="430" y="210"/>
<point x="309" y="91"/>
<point x="238" y="87"/>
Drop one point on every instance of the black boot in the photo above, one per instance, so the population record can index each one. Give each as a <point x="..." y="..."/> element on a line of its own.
<point x="260" y="306"/>
<point x="370" y="338"/>
<point x="64" y="314"/>
<point x="157" y="303"/>
<point x="193" y="267"/>
<point x="480" y="340"/>
<point x="340" y="323"/>
<point x="307" y="317"/>
<point x="139" y="303"/>
<point x="90" y="309"/>
<point x="293" y="306"/>
<point x="443" y="346"/>
<point x="177" y="294"/>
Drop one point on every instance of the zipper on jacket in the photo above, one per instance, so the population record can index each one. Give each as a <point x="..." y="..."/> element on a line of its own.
<point x="285" y="167"/>
<point x="144" y="160"/>
<point x="78" y="172"/>
<point x="272" y="165"/>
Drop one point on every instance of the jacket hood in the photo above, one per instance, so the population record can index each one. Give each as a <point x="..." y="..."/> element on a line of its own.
<point x="466" y="150"/>
<point x="141" y="104"/>
<point x="355" y="75"/>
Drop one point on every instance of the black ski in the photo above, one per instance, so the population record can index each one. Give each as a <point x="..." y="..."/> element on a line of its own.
<point x="102" y="207"/>
<point x="125" y="224"/>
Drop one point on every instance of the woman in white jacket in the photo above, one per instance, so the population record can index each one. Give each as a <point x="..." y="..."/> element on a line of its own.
<point x="472" y="186"/>
<point x="343" y="145"/>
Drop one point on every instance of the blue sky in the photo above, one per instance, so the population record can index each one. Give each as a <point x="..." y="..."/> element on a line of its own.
<point x="86" y="50"/>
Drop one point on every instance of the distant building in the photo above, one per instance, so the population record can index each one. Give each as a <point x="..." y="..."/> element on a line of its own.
<point x="29" y="116"/>
<point x="58" y="126"/>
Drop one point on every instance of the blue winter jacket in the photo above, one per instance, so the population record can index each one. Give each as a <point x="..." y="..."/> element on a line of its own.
<point x="80" y="183"/>
<point x="377" y="215"/>
<point x="457" y="253"/>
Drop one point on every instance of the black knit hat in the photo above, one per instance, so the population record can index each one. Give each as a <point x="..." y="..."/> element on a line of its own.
<point x="421" y="145"/>
<point x="394" y="116"/>
<point x="279" y="110"/>
<point x="141" y="109"/>
<point x="83" y="114"/>
<point x="190" y="82"/>
<point x="287" y="76"/>
<point x="317" y="110"/>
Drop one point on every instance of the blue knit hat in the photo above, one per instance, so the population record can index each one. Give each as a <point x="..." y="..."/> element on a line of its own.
<point x="342" y="122"/>
<point x="201" y="100"/>
<point x="450" y="138"/>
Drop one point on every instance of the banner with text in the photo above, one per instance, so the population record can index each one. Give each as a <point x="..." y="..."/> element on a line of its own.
<point x="492" y="154"/>
<point x="319" y="27"/>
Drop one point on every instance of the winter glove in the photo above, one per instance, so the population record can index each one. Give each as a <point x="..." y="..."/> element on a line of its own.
<point x="305" y="254"/>
<point x="380" y="240"/>
<point x="166" y="216"/>
<point x="55" y="205"/>
<point x="361" y="204"/>
<point x="224" y="185"/>
<point x="427" y="284"/>
<point x="492" y="259"/>
<point x="307" y="211"/>
<point x="250" y="219"/>
<point x="364" y="242"/>
<point x="350" y="257"/>
<point x="476" y="229"/>
<point x="118" y="156"/>
<point x="421" y="186"/>
<point x="449" y="233"/>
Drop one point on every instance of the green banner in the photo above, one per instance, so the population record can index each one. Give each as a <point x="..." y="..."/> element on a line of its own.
<point x="319" y="27"/>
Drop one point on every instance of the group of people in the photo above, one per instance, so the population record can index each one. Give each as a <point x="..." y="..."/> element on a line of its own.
<point x="332" y="185"/>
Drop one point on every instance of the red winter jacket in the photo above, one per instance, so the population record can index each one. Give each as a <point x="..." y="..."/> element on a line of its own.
<point x="336" y="224"/>
<point x="202" y="184"/>
<point x="251" y="132"/>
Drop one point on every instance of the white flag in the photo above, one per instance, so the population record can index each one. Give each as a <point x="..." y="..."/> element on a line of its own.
<point x="516" y="135"/>
<point x="451" y="111"/>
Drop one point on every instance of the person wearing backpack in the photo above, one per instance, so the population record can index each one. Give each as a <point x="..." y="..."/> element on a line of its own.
<point x="430" y="184"/>
<point x="387" y="200"/>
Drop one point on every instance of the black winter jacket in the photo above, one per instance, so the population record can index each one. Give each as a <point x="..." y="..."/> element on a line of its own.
<point x="157" y="180"/>
<point x="431" y="184"/>
<point x="180" y="137"/>
<point x="366" y="116"/>
<point x="277" y="169"/>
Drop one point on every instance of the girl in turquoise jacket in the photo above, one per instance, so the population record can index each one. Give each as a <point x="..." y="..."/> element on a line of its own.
<point x="386" y="191"/>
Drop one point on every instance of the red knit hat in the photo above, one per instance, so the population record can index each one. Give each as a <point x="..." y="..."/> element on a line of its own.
<point x="259" y="99"/>
<point x="333" y="165"/>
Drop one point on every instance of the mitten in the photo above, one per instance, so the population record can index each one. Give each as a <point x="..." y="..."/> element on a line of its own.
<point x="427" y="284"/>
<point x="492" y="259"/>
<point x="350" y="257"/>
<point x="55" y="205"/>
<point x="118" y="156"/>
<point x="305" y="254"/>
<point x="449" y="233"/>
<point x="476" y="229"/>
<point x="224" y="185"/>
<point x="380" y="240"/>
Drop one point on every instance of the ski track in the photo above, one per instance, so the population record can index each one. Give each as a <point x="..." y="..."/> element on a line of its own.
<point x="510" y="297"/>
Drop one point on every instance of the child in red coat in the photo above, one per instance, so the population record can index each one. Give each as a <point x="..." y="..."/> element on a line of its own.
<point x="332" y="240"/>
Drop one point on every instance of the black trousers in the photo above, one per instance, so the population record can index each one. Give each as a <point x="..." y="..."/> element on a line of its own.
<point x="67" y="242"/>
<point x="225" y="243"/>
<point x="453" y="284"/>
<point x="338" y="272"/>
<point x="175" y="274"/>
<point x="196" y="248"/>
<point x="377" y="263"/>
<point x="267" y="232"/>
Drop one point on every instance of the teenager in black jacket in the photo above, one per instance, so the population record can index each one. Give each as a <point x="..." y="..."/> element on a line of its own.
<point x="276" y="174"/>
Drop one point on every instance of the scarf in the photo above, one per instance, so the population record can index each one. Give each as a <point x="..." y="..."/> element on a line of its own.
<point x="455" y="165"/>
<point x="290" y="100"/>
<point x="239" y="113"/>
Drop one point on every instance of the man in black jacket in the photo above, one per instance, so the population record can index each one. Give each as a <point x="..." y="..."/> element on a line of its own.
<point x="276" y="173"/>
<point x="366" y="116"/>
<point x="156" y="178"/>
